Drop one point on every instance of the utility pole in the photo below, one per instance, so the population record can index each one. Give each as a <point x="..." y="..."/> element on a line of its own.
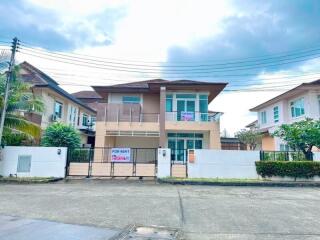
<point x="14" y="46"/>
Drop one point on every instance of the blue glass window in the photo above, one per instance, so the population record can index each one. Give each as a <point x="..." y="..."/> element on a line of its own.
<point x="130" y="99"/>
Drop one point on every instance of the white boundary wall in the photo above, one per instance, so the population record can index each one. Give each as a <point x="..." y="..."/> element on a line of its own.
<point x="164" y="162"/>
<point x="316" y="156"/>
<point x="45" y="161"/>
<point x="223" y="164"/>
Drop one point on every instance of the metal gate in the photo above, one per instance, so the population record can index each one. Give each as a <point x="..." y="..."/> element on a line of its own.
<point x="179" y="163"/>
<point x="97" y="162"/>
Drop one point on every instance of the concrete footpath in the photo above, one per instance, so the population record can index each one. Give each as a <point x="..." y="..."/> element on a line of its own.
<point x="14" y="228"/>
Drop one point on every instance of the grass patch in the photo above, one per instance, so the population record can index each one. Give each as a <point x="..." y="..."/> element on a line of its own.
<point x="27" y="179"/>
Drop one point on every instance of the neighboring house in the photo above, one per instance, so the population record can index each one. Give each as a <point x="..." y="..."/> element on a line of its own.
<point x="60" y="106"/>
<point x="230" y="143"/>
<point x="294" y="105"/>
<point x="159" y="113"/>
<point x="253" y="125"/>
<point x="90" y="98"/>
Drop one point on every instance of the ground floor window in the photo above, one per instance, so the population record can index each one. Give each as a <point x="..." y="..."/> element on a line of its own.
<point x="179" y="143"/>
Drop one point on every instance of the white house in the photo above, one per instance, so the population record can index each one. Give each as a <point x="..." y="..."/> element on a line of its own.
<point x="294" y="105"/>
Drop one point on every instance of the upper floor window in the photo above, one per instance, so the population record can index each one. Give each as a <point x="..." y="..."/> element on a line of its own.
<point x="297" y="107"/>
<point x="130" y="99"/>
<point x="276" y="114"/>
<point x="263" y="117"/>
<point x="73" y="115"/>
<point x="85" y="119"/>
<point x="169" y="101"/>
<point x="203" y="107"/>
<point x="58" y="109"/>
<point x="186" y="95"/>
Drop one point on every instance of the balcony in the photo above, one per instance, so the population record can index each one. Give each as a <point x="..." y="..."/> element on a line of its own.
<point x="192" y="117"/>
<point x="127" y="117"/>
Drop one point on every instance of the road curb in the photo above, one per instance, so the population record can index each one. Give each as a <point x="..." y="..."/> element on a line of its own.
<point x="239" y="184"/>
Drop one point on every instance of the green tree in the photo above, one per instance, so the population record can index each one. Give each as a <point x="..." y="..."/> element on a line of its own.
<point x="249" y="137"/>
<point x="60" y="135"/>
<point x="302" y="135"/>
<point x="21" y="100"/>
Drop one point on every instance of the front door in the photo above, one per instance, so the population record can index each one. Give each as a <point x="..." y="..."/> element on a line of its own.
<point x="179" y="147"/>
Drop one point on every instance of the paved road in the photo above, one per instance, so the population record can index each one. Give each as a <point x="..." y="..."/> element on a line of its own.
<point x="201" y="212"/>
<point x="14" y="228"/>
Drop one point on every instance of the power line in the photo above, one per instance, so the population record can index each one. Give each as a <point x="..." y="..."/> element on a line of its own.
<point x="101" y="66"/>
<point x="127" y="66"/>
<point x="216" y="60"/>
<point x="59" y="71"/>
<point x="231" y="83"/>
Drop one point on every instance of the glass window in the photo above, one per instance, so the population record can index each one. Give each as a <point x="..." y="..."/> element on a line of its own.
<point x="185" y="95"/>
<point x="169" y="101"/>
<point x="203" y="107"/>
<point x="73" y="115"/>
<point x="84" y="119"/>
<point x="198" y="135"/>
<point x="284" y="147"/>
<point x="276" y="114"/>
<point x="58" y="109"/>
<point x="297" y="108"/>
<point x="263" y="117"/>
<point x="172" y="134"/>
<point x="131" y="99"/>
<point x="198" y="144"/>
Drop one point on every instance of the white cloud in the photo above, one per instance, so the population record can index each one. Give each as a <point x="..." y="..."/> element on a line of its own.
<point x="146" y="32"/>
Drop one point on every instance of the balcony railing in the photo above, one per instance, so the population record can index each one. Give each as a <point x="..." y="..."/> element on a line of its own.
<point x="192" y="117"/>
<point x="114" y="112"/>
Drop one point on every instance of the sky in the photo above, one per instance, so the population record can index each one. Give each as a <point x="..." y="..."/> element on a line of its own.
<point x="166" y="33"/>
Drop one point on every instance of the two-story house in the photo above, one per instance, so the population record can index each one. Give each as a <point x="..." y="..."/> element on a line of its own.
<point x="294" y="105"/>
<point x="159" y="113"/>
<point x="90" y="98"/>
<point x="59" y="105"/>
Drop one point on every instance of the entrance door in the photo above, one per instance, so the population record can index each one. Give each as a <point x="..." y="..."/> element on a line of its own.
<point x="180" y="150"/>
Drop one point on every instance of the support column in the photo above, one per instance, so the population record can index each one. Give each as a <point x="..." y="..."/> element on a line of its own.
<point x="214" y="137"/>
<point x="162" y="117"/>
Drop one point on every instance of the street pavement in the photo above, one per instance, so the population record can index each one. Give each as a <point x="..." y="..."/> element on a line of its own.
<point x="198" y="212"/>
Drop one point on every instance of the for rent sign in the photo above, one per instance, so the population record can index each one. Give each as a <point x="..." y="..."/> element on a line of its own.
<point x="120" y="155"/>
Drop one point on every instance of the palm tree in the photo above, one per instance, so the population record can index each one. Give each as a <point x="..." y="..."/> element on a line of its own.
<point x="21" y="100"/>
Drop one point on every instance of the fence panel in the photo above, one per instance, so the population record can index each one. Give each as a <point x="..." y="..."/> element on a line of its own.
<point x="179" y="163"/>
<point x="284" y="156"/>
<point x="97" y="162"/>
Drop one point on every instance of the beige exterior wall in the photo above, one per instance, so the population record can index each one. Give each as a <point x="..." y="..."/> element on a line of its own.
<point x="211" y="130"/>
<point x="49" y="98"/>
<point x="137" y="142"/>
<point x="151" y="103"/>
<point x="268" y="143"/>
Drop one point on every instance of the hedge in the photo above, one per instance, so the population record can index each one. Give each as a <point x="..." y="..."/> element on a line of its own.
<point x="295" y="169"/>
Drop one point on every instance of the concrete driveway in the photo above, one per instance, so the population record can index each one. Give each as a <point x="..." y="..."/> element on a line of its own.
<point x="200" y="212"/>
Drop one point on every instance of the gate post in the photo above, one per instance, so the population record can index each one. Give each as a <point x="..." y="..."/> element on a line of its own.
<point x="66" y="173"/>
<point x="164" y="162"/>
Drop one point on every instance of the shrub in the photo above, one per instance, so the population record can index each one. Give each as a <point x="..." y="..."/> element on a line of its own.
<point x="60" y="135"/>
<point x="295" y="169"/>
<point x="80" y="154"/>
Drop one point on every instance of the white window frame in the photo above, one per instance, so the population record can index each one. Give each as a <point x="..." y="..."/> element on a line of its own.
<point x="263" y="117"/>
<point x="84" y="123"/>
<point x="54" y="109"/>
<point x="276" y="116"/>
<point x="292" y="105"/>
